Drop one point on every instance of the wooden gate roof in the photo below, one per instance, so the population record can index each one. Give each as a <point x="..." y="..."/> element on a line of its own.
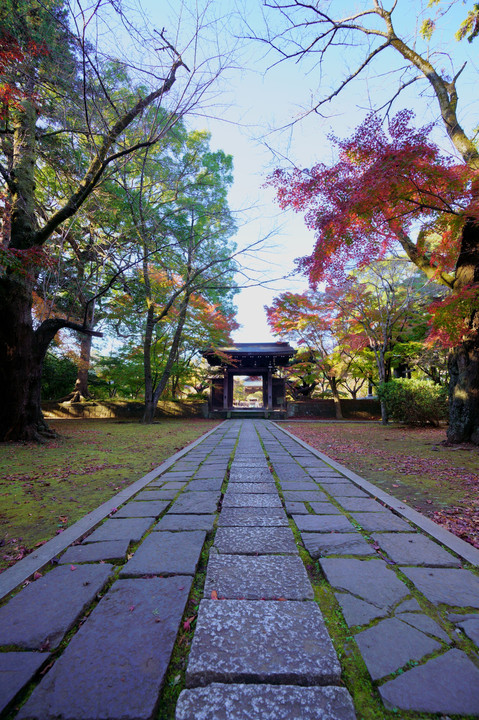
<point x="251" y="355"/>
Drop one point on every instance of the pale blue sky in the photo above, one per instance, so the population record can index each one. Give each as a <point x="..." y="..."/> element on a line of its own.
<point x="251" y="101"/>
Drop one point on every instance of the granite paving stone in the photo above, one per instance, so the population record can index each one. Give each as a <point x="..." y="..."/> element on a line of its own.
<point x="321" y="544"/>
<point x="370" y="580"/>
<point x="269" y="577"/>
<point x="174" y="485"/>
<point x="390" y="644"/>
<point x="131" y="529"/>
<point x="408" y="549"/>
<point x="139" y="508"/>
<point x="262" y="642"/>
<point x="358" y="612"/>
<point x="425" y="624"/>
<point x="166" y="552"/>
<point x="324" y="523"/>
<point x="38" y="617"/>
<point x="253" y="487"/>
<point x="232" y="499"/>
<point x="114" y="666"/>
<point x="198" y="503"/>
<point x="446" y="585"/>
<point x="325" y="508"/>
<point x="185" y="522"/>
<point x="305" y="495"/>
<point x="220" y="701"/>
<point x="446" y="684"/>
<point x="95" y="552"/>
<point x="360" y="504"/>
<point x="377" y="522"/>
<point x="16" y="670"/>
<point x="241" y="476"/>
<point x="255" y="540"/>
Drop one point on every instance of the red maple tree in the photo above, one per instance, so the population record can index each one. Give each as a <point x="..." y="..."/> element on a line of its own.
<point x="397" y="188"/>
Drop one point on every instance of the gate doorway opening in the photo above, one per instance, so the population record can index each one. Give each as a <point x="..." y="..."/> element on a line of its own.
<point x="248" y="391"/>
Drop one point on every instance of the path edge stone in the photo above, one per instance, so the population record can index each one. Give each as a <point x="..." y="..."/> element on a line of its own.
<point x="23" y="569"/>
<point x="460" y="547"/>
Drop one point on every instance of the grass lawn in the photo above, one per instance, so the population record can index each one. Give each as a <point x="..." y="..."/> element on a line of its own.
<point x="45" y="488"/>
<point x="409" y="463"/>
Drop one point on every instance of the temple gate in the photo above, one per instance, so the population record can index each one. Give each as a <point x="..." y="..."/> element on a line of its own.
<point x="253" y="359"/>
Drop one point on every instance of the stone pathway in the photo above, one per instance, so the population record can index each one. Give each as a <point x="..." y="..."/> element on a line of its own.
<point x="93" y="637"/>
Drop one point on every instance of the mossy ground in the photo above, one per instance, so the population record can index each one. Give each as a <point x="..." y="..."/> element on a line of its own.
<point x="409" y="463"/>
<point x="46" y="488"/>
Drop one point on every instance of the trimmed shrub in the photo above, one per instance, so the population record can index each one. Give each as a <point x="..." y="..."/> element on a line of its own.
<point x="414" y="402"/>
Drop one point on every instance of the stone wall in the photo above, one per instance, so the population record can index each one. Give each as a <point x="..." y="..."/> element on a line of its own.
<point x="123" y="409"/>
<point x="364" y="409"/>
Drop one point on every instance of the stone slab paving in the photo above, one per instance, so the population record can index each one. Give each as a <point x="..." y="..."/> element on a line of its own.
<point x="295" y="507"/>
<point x="40" y="615"/>
<point x="468" y="623"/>
<point x="219" y="701"/>
<point x="408" y="549"/>
<point x="254" y="517"/>
<point x="131" y="529"/>
<point x="95" y="552"/>
<point x="154" y="494"/>
<point x="361" y="504"/>
<point x="204" y="485"/>
<point x="139" y="508"/>
<point x="255" y="541"/>
<point x="268" y="488"/>
<point x="343" y="490"/>
<point x="391" y="644"/>
<point x="267" y="577"/>
<point x="114" y="666"/>
<point x="377" y="522"/>
<point x="196" y="502"/>
<point x="261" y="642"/>
<point x="324" y="508"/>
<point x="305" y="495"/>
<point x="233" y="499"/>
<point x="16" y="670"/>
<point x="324" y="523"/>
<point x="446" y="684"/>
<point x="447" y="586"/>
<point x="322" y="544"/>
<point x="258" y="622"/>
<point x="370" y="580"/>
<point x="166" y="552"/>
<point x="185" y="522"/>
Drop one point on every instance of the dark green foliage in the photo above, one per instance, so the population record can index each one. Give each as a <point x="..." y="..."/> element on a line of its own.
<point x="58" y="377"/>
<point x="414" y="402"/>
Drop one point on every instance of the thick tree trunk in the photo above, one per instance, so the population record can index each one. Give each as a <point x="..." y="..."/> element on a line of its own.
<point x="21" y="360"/>
<point x="463" y="360"/>
<point x="464" y="393"/>
<point x="337" y="400"/>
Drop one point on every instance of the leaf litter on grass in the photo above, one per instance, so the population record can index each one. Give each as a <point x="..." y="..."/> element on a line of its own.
<point x="440" y="481"/>
<point x="44" y="489"/>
